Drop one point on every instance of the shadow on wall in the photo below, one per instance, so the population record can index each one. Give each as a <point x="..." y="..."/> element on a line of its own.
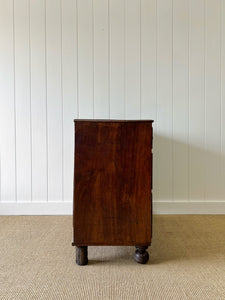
<point x="185" y="172"/>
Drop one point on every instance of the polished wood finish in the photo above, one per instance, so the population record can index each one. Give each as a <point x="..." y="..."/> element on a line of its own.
<point x="112" y="183"/>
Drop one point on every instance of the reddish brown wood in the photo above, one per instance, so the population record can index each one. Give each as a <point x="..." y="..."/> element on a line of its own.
<point x="112" y="183"/>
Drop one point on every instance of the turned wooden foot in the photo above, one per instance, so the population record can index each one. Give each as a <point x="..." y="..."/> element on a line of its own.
<point x="81" y="255"/>
<point x="141" y="255"/>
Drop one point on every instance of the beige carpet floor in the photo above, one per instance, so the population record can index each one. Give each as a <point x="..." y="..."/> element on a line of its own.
<point x="187" y="261"/>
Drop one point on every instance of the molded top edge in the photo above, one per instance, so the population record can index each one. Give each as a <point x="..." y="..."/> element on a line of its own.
<point x="112" y="121"/>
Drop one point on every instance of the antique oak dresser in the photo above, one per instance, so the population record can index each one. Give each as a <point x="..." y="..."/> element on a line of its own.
<point x="112" y="186"/>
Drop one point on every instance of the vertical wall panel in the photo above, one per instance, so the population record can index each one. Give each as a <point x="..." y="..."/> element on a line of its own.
<point x="212" y="97"/>
<point x="38" y="100"/>
<point x="132" y="59"/>
<point x="223" y="97"/>
<point x="101" y="59"/>
<point x="197" y="101"/>
<point x="69" y="86"/>
<point x="22" y="99"/>
<point x="85" y="58"/>
<point x="148" y="59"/>
<point x="148" y="71"/>
<point x="54" y="99"/>
<point x="7" y="107"/>
<point x="180" y="99"/>
<point x="163" y="145"/>
<point x="117" y="58"/>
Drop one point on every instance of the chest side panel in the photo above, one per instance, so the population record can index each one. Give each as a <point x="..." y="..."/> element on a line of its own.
<point x="112" y="183"/>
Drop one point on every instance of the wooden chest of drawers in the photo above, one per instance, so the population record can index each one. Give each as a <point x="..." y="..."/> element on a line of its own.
<point x="112" y="185"/>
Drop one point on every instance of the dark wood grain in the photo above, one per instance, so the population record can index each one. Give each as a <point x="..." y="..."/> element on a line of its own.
<point x="112" y="183"/>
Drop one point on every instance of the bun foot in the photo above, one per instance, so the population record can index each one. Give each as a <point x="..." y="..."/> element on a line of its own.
<point x="81" y="256"/>
<point x="141" y="255"/>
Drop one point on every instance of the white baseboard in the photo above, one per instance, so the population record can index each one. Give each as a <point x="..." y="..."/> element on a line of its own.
<point x="181" y="208"/>
<point x="36" y="208"/>
<point x="66" y="208"/>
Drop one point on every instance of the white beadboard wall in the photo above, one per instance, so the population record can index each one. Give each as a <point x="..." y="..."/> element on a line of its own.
<point x="113" y="59"/>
